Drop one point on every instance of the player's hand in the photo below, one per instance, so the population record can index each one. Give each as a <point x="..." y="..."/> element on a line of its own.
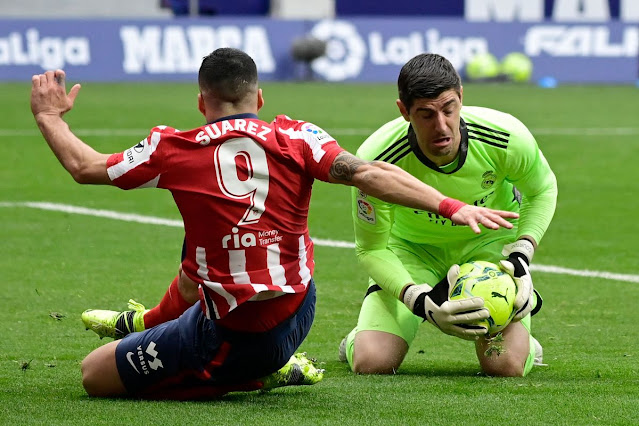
<point x="474" y="216"/>
<point x="49" y="96"/>
<point x="520" y="253"/>
<point x="454" y="317"/>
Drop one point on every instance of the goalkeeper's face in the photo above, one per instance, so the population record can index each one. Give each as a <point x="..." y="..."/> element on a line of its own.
<point x="436" y="125"/>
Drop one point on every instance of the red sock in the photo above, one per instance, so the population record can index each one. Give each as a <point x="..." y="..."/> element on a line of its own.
<point x="171" y="307"/>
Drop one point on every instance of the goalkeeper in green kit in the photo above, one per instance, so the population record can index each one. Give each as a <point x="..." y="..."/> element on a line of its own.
<point x="479" y="156"/>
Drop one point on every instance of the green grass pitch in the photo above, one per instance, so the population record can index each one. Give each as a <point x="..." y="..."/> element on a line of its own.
<point x="56" y="264"/>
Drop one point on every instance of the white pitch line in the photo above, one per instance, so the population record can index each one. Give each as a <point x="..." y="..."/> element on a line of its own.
<point x="586" y="273"/>
<point x="141" y="133"/>
<point x="152" y="220"/>
<point x="110" y="214"/>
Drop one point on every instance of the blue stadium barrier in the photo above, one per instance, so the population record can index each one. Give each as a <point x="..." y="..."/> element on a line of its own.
<point x="359" y="49"/>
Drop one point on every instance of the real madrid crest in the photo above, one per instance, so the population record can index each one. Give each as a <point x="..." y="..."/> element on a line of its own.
<point x="488" y="179"/>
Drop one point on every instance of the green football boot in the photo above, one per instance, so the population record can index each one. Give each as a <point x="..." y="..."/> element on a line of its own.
<point x="115" y="324"/>
<point x="298" y="371"/>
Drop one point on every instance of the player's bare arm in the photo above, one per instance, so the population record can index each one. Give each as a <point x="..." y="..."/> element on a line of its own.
<point x="344" y="168"/>
<point x="49" y="102"/>
<point x="394" y="185"/>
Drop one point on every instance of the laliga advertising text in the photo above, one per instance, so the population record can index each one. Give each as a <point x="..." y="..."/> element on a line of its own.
<point x="348" y="49"/>
<point x="48" y="52"/>
<point x="397" y="50"/>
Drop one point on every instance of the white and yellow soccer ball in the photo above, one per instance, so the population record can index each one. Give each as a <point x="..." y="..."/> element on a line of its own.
<point x="483" y="66"/>
<point x="517" y="67"/>
<point x="496" y="287"/>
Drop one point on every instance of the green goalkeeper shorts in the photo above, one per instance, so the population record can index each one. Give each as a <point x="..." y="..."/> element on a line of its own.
<point x="428" y="264"/>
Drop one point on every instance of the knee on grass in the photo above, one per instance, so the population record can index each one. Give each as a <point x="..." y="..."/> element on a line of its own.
<point x="90" y="378"/>
<point x="503" y="366"/>
<point x="375" y="363"/>
<point x="100" y="375"/>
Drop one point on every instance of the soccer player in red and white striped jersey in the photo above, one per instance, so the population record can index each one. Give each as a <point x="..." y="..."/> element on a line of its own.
<point x="244" y="198"/>
<point x="243" y="188"/>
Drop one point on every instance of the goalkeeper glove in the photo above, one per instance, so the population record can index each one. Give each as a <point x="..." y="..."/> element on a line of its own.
<point x="454" y="317"/>
<point x="520" y="253"/>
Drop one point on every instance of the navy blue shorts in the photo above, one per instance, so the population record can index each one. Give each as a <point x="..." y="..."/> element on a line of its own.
<point x="194" y="351"/>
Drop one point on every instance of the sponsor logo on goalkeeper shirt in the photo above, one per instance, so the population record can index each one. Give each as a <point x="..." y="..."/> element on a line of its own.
<point x="482" y="201"/>
<point x="436" y="219"/>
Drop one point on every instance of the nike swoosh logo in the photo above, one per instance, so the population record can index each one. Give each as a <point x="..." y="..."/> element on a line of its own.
<point x="129" y="357"/>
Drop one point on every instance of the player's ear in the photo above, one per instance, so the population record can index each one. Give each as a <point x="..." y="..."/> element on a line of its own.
<point x="402" y="109"/>
<point x="200" y="104"/>
<point x="260" y="99"/>
<point x="461" y="95"/>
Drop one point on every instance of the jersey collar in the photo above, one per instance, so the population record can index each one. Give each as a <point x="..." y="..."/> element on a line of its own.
<point x="235" y="116"/>
<point x="463" y="149"/>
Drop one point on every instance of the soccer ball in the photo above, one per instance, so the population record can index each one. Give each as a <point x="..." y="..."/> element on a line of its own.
<point x="496" y="287"/>
<point x="484" y="66"/>
<point x="517" y="67"/>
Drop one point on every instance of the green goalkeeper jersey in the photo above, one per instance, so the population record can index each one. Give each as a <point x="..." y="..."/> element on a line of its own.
<point x="499" y="166"/>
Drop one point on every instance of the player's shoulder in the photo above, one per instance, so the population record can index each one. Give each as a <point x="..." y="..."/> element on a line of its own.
<point x="392" y="133"/>
<point x="285" y="122"/>
<point x="491" y="119"/>
<point x="158" y="134"/>
<point x="300" y="130"/>
<point x="163" y="129"/>
<point x="285" y="119"/>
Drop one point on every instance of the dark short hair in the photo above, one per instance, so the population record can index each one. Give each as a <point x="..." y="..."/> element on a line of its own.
<point x="228" y="74"/>
<point x="427" y="75"/>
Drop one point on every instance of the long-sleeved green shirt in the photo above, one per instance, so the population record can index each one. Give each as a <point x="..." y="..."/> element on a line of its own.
<point x="499" y="166"/>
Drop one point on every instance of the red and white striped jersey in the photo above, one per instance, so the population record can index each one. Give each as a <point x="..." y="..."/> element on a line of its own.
<point x="243" y="188"/>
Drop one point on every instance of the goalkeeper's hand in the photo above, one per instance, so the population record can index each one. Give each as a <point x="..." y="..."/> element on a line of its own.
<point x="455" y="317"/>
<point x="520" y="253"/>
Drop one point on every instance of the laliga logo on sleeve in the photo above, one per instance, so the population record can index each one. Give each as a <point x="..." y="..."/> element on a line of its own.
<point x="320" y="135"/>
<point x="366" y="211"/>
<point x="345" y="50"/>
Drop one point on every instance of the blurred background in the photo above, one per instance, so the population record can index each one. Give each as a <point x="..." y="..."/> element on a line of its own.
<point x="547" y="42"/>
